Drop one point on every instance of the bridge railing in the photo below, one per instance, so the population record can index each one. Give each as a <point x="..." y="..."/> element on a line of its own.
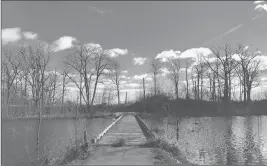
<point x="100" y="136"/>
<point x="148" y="134"/>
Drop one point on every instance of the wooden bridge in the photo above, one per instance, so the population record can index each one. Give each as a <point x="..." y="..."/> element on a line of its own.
<point x="129" y="131"/>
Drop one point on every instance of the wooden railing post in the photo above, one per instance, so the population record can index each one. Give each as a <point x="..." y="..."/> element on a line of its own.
<point x="85" y="136"/>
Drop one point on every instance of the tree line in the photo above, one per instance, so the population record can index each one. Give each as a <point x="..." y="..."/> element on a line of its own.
<point x="220" y="68"/>
<point x="27" y="74"/>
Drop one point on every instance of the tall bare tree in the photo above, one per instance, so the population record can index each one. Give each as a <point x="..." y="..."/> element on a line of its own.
<point x="64" y="74"/>
<point x="249" y="69"/>
<point x="116" y="77"/>
<point x="155" y="68"/>
<point x="227" y="66"/>
<point x="102" y="62"/>
<point x="11" y="70"/>
<point x="81" y="61"/>
<point x="186" y="79"/>
<point x="174" y="75"/>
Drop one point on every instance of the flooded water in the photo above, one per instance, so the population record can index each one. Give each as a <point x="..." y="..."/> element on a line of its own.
<point x="19" y="137"/>
<point x="217" y="140"/>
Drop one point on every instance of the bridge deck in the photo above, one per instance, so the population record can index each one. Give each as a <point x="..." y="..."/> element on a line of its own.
<point x="128" y="129"/>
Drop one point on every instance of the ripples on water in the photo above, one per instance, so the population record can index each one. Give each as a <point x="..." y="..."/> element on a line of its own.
<point x="19" y="137"/>
<point x="218" y="140"/>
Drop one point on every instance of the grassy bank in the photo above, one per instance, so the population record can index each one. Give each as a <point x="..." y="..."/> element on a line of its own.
<point x="59" y="112"/>
<point x="197" y="108"/>
<point x="165" y="150"/>
<point x="88" y="116"/>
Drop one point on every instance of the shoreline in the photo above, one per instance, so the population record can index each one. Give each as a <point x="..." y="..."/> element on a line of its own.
<point x="148" y="115"/>
<point x="51" y="117"/>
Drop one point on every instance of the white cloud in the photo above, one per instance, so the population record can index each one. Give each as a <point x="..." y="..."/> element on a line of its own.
<point x="124" y="71"/>
<point x="123" y="82"/>
<point x="245" y="48"/>
<point x="165" y="55"/>
<point x="124" y="77"/>
<point x="99" y="11"/>
<point x="139" y="77"/>
<point x="164" y="71"/>
<point x="148" y="79"/>
<point x="11" y="35"/>
<point x="106" y="71"/>
<point x="139" y="60"/>
<point x="256" y="2"/>
<point x="260" y="5"/>
<point x="30" y="35"/>
<point x="93" y="46"/>
<point x="63" y="43"/>
<point x="132" y="85"/>
<point x="196" y="54"/>
<point x="117" y="52"/>
<point x="263" y="60"/>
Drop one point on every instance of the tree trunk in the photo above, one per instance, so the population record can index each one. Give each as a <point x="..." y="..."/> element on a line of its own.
<point x="96" y="81"/>
<point x="240" y="88"/>
<point x="249" y="93"/>
<point x="187" y="84"/>
<point x="126" y="98"/>
<point x="87" y="91"/>
<point x="177" y="127"/>
<point x="155" y="83"/>
<point x="245" y="94"/>
<point x="109" y="98"/>
<point x="201" y="91"/>
<point x="118" y="94"/>
<point x="198" y="80"/>
<point x="63" y="93"/>
<point x="144" y="89"/>
<point x="226" y="88"/>
<point x="54" y="88"/>
<point x="176" y="91"/>
<point x="214" y="88"/>
<point x="230" y="88"/>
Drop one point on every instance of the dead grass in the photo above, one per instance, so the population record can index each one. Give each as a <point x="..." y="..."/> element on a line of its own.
<point x="119" y="143"/>
<point x="76" y="151"/>
<point x="151" y="144"/>
<point x="156" y="130"/>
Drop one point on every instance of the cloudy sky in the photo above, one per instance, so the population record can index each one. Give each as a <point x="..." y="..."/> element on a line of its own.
<point x="135" y="31"/>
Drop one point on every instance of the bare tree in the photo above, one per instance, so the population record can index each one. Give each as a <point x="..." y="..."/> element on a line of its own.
<point x="227" y="64"/>
<point x="116" y="77"/>
<point x="81" y="62"/>
<point x="64" y="74"/>
<point x="248" y="71"/>
<point x="174" y="69"/>
<point x="10" y="69"/>
<point x="155" y="68"/>
<point x="101" y="63"/>
<point x="54" y="86"/>
<point x="200" y="69"/>
<point x="35" y="63"/>
<point x="144" y="89"/>
<point x="104" y="95"/>
<point x="186" y="78"/>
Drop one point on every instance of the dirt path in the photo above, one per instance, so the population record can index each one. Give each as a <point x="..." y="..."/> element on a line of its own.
<point x="129" y="154"/>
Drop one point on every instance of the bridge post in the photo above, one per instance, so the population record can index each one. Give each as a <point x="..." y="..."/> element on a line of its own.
<point x="85" y="136"/>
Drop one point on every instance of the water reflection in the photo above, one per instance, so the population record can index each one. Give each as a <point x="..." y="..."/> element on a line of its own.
<point x="19" y="137"/>
<point x="219" y="140"/>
